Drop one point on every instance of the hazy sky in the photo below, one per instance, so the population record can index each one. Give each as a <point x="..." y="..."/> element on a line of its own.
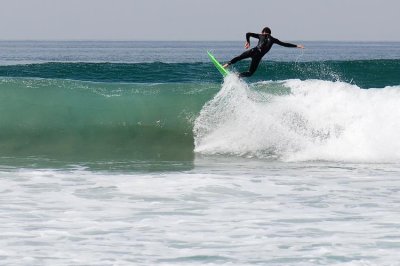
<point x="362" y="20"/>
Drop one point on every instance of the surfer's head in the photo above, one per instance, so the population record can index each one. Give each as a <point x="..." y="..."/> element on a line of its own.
<point x="266" y="30"/>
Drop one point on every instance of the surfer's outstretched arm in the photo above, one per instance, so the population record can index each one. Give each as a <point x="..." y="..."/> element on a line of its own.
<point x="286" y="44"/>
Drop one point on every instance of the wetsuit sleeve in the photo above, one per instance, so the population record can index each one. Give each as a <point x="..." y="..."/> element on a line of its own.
<point x="285" y="44"/>
<point x="250" y="34"/>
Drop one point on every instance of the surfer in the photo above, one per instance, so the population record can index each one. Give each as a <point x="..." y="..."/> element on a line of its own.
<point x="265" y="42"/>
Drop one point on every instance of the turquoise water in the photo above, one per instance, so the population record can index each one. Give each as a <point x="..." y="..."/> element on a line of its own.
<point x="139" y="153"/>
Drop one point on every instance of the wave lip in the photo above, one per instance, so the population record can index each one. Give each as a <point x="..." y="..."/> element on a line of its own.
<point x="296" y="120"/>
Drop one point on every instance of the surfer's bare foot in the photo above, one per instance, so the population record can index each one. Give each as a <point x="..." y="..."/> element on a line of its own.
<point x="225" y="66"/>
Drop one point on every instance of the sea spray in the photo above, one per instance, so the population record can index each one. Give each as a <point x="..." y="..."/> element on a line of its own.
<point x="316" y="120"/>
<point x="227" y="120"/>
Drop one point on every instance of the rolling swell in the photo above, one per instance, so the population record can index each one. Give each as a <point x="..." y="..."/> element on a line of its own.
<point x="363" y="73"/>
<point x="75" y="119"/>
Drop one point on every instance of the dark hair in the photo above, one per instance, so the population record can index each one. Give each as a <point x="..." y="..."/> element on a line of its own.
<point x="266" y="30"/>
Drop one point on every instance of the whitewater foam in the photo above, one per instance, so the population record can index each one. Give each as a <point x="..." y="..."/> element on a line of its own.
<point x="315" y="120"/>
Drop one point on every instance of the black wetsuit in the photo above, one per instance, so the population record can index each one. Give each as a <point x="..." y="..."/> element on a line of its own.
<point x="265" y="42"/>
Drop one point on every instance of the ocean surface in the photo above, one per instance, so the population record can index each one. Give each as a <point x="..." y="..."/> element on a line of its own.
<point x="140" y="153"/>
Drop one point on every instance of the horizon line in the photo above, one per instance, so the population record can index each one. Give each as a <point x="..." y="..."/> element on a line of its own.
<point x="158" y="40"/>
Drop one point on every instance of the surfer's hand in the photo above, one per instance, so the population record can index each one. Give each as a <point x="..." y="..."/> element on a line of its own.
<point x="247" y="45"/>
<point x="300" y="46"/>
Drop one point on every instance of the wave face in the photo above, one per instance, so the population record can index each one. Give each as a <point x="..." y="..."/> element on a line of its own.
<point x="62" y="118"/>
<point x="298" y="120"/>
<point x="170" y="111"/>
<point x="363" y="73"/>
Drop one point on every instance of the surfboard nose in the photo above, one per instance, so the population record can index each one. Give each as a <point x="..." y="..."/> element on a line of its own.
<point x="217" y="64"/>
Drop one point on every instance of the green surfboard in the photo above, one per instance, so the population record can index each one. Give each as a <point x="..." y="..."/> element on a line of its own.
<point x="220" y="68"/>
